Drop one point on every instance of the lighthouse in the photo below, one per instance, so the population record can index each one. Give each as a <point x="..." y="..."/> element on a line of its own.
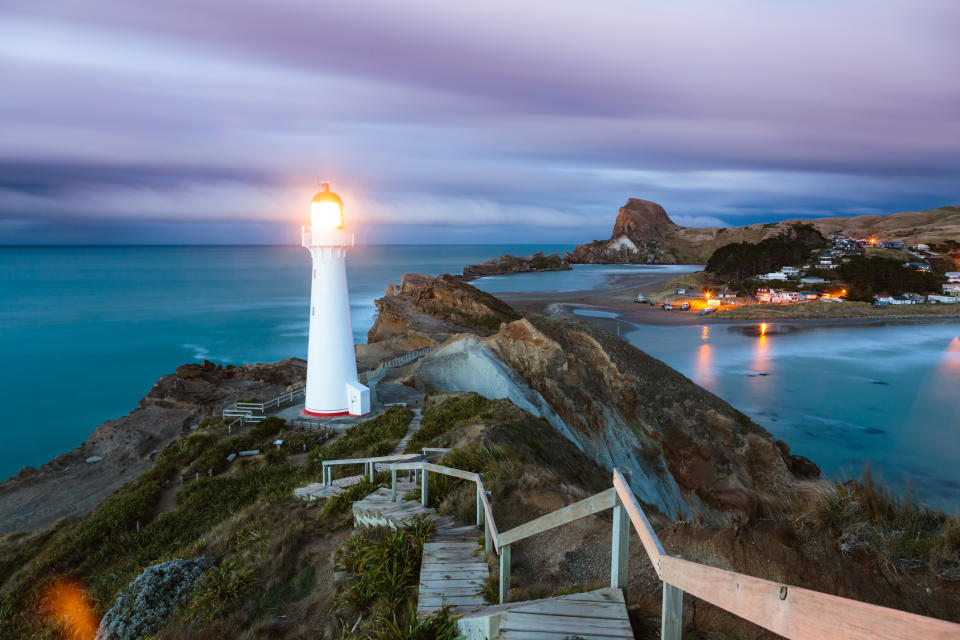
<point x="333" y="388"/>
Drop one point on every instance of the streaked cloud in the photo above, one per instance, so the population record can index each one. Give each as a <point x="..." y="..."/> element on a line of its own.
<point x="491" y="115"/>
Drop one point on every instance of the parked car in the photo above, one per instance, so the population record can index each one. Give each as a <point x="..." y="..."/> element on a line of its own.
<point x="707" y="311"/>
<point x="640" y="298"/>
<point x="666" y="306"/>
<point x="685" y="306"/>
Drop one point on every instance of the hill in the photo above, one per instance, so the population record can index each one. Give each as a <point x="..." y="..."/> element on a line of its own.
<point x="643" y="233"/>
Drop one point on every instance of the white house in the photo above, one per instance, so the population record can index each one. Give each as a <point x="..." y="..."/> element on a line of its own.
<point x="812" y="280"/>
<point x="790" y="271"/>
<point x="951" y="288"/>
<point x="922" y="247"/>
<point x="779" y="275"/>
<point x="944" y="299"/>
<point x="952" y="276"/>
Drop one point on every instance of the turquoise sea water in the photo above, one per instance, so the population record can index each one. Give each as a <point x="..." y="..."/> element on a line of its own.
<point x="85" y="332"/>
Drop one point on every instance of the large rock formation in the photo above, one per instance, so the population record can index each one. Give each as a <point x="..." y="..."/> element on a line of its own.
<point x="515" y="264"/>
<point x="643" y="233"/>
<point x="689" y="451"/>
<point x="424" y="311"/>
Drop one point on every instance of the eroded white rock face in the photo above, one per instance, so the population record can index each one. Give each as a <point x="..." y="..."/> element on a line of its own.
<point x="467" y="363"/>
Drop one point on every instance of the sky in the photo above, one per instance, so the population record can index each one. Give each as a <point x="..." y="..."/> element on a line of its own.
<point x="208" y="121"/>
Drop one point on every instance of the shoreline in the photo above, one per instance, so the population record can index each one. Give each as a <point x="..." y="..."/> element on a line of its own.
<point x="619" y="297"/>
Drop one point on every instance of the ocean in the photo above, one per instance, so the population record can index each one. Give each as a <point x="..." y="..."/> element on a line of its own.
<point x="86" y="331"/>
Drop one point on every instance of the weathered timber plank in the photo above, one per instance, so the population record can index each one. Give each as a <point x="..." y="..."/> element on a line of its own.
<point x="594" y="504"/>
<point x="800" y="614"/>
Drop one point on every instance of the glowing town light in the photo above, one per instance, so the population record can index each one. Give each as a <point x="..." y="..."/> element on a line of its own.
<point x="326" y="210"/>
<point x="763" y="329"/>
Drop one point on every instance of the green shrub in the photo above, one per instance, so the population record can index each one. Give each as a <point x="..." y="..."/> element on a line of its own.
<point x="384" y="569"/>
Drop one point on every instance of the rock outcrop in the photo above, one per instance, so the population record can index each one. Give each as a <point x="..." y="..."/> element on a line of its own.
<point x="514" y="264"/>
<point x="641" y="234"/>
<point x="148" y="601"/>
<point x="423" y="311"/>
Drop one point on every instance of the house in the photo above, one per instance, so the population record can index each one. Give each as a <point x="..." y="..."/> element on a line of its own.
<point x="827" y="263"/>
<point x="902" y="300"/>
<point x="848" y="247"/>
<point x="944" y="299"/>
<point x="882" y="300"/>
<point x="916" y="297"/>
<point x="809" y="295"/>
<point x="952" y="276"/>
<point x="917" y="266"/>
<point x="726" y="294"/>
<point x="951" y="288"/>
<point x="790" y="271"/>
<point x="922" y="247"/>
<point x="812" y="280"/>
<point x="894" y="244"/>
<point x="786" y="297"/>
<point x="779" y="275"/>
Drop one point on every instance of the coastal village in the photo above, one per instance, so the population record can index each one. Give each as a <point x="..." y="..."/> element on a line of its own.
<point x="820" y="278"/>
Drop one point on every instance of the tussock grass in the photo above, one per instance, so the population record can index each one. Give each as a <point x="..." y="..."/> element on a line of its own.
<point x="105" y="551"/>
<point x="383" y="572"/>
<point x="863" y="515"/>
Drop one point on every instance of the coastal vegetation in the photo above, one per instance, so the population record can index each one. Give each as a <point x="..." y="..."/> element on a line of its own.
<point x="866" y="277"/>
<point x="739" y="260"/>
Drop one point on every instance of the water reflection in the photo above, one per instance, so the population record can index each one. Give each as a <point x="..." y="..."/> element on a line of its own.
<point x="704" y="374"/>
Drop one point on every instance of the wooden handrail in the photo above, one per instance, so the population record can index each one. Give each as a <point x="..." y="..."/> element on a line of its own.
<point x="648" y="537"/>
<point x="796" y="613"/>
<point x="792" y="612"/>
<point x="345" y="461"/>
<point x="589" y="506"/>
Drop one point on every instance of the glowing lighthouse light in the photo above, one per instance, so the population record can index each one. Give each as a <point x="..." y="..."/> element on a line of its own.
<point x="333" y="388"/>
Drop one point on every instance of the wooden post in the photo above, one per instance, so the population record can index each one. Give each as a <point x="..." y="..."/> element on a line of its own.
<point x="671" y="621"/>
<point x="620" y="547"/>
<point x="424" y="486"/>
<point x="504" y="573"/>
<point x="393" y="485"/>
<point x="487" y="542"/>
<point x="479" y="507"/>
<point x="372" y="465"/>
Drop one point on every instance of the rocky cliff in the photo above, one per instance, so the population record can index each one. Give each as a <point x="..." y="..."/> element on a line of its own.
<point x="689" y="452"/>
<point x="423" y="311"/>
<point x="643" y="233"/>
<point x="515" y="264"/>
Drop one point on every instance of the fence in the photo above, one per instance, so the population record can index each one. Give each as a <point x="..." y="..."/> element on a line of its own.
<point x="374" y="376"/>
<point x="792" y="612"/>
<point x="253" y="412"/>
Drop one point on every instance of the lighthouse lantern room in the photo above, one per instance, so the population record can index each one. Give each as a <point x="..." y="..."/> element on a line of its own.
<point x="332" y="385"/>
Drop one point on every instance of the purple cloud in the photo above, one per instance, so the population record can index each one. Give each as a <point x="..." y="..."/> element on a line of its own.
<point x="494" y="115"/>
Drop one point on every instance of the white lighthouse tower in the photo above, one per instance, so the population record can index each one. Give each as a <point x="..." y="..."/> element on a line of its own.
<point x="332" y="385"/>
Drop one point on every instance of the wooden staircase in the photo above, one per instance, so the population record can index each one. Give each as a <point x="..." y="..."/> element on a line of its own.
<point x="594" y="615"/>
